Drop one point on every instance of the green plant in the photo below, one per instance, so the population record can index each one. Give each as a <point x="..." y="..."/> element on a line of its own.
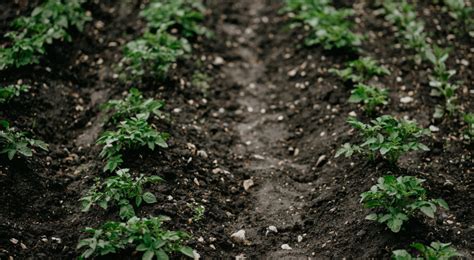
<point x="48" y="22"/>
<point x="201" y="81"/>
<point x="462" y="13"/>
<point x="11" y="91"/>
<point x="184" y="15"/>
<point x="152" y="53"/>
<point x="141" y="234"/>
<point x="13" y="142"/>
<point x="385" y="135"/>
<point x="399" y="198"/>
<point x="135" y="105"/>
<point x="436" y="251"/>
<point x="361" y="70"/>
<point x="469" y="132"/>
<point x="329" y="26"/>
<point x="131" y="134"/>
<point x="198" y="212"/>
<point x="369" y="96"/>
<point x="120" y="190"/>
<point x="439" y="81"/>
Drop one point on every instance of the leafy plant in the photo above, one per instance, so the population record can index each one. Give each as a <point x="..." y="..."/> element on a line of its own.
<point x="131" y="134"/>
<point x="152" y="53"/>
<point x="439" y="81"/>
<point x="435" y="251"/>
<point x="201" y="81"/>
<point x="198" y="212"/>
<point x="48" y="22"/>
<point x="329" y="26"/>
<point x="463" y="13"/>
<point x="361" y="70"/>
<point x="135" y="105"/>
<point x="121" y="190"/>
<point x="11" y="91"/>
<point x="469" y="132"/>
<point x="185" y="15"/>
<point x="141" y="234"/>
<point x="399" y="198"/>
<point x="385" y="135"/>
<point x="13" y="142"/>
<point x="369" y="96"/>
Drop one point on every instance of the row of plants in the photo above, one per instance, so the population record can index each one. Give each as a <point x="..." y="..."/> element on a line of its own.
<point x="396" y="199"/>
<point x="165" y="39"/>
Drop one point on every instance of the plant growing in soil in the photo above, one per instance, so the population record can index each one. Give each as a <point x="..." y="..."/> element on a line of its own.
<point x="361" y="70"/>
<point x="120" y="190"/>
<point x="184" y="15"/>
<point x="385" y="135"/>
<point x="436" y="250"/>
<point x="152" y="53"/>
<point x="329" y="26"/>
<point x="469" y="132"/>
<point x="399" y="198"/>
<point x="369" y="96"/>
<point x="462" y="13"/>
<point x="131" y="134"/>
<point x="11" y="91"/>
<point x="135" y="105"/>
<point x="13" y="142"/>
<point x="48" y="22"/>
<point x="141" y="234"/>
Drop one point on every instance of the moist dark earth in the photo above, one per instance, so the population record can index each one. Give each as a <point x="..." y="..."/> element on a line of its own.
<point x="272" y="114"/>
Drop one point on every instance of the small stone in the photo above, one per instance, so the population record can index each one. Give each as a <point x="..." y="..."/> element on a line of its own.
<point x="240" y="257"/>
<point x="280" y="118"/>
<point x="23" y="246"/>
<point x="434" y="128"/>
<point x="247" y="184"/>
<point x="202" y="154"/>
<point x="218" y="61"/>
<point x="170" y="198"/>
<point x="201" y="240"/>
<point x="406" y="100"/>
<point x="353" y="113"/>
<point x="196" y="255"/>
<point x="196" y="182"/>
<point x="300" y="238"/>
<point x="14" y="241"/>
<point x="320" y="160"/>
<point x="286" y="247"/>
<point x="292" y="72"/>
<point x="56" y="239"/>
<point x="273" y="229"/>
<point x="238" y="236"/>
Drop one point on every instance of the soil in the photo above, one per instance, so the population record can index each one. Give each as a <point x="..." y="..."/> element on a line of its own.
<point x="273" y="115"/>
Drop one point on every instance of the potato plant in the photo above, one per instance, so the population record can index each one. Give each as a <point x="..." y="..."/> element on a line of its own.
<point x="387" y="136"/>
<point x="13" y="142"/>
<point x="369" y="96"/>
<point x="121" y="190"/>
<point x="143" y="235"/>
<point x="436" y="250"/>
<point x="399" y="199"/>
<point x="132" y="133"/>
<point x="361" y="70"/>
<point x="11" y="91"/>
<point x="48" y="22"/>
<point x="330" y="27"/>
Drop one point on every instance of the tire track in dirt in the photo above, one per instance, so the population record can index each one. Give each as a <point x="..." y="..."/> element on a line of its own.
<point x="278" y="200"/>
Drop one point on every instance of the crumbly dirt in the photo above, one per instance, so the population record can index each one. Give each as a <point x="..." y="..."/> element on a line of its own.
<point x="256" y="122"/>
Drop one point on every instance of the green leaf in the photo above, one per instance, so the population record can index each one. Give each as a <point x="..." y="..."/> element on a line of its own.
<point x="186" y="251"/>
<point x="149" y="198"/>
<point x="372" y="216"/>
<point x="148" y="255"/>
<point x="428" y="211"/>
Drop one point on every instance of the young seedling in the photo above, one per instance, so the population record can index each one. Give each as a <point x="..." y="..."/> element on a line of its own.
<point x="369" y="96"/>
<point x="152" y="54"/>
<point x="399" y="198"/>
<point x="184" y="15"/>
<point x="134" y="105"/>
<point x="329" y="26"/>
<point x="361" y="70"/>
<point x="131" y="134"/>
<point x="435" y="251"/>
<point x="13" y="142"/>
<point x="462" y="13"/>
<point x="198" y="211"/>
<point x="140" y="234"/>
<point x="120" y="190"/>
<point x="48" y="22"/>
<point x="469" y="132"/>
<point x="385" y="135"/>
<point x="11" y="91"/>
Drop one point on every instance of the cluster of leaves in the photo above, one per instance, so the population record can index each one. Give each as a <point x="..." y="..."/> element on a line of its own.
<point x="369" y="96"/>
<point x="141" y="234"/>
<point x="184" y="15"/>
<point x="400" y="198"/>
<point x="469" y="132"/>
<point x="48" y="22"/>
<point x="436" y="250"/>
<point x="440" y="82"/>
<point x="11" y="91"/>
<point x="330" y="27"/>
<point x="385" y="135"/>
<point x="120" y="190"/>
<point x="463" y="13"/>
<point x="132" y="133"/>
<point x="403" y="15"/>
<point x="361" y="70"/>
<point x="13" y="142"/>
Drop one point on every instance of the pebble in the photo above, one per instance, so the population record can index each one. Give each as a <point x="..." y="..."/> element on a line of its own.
<point x="196" y="182"/>
<point x="320" y="160"/>
<point x="273" y="229"/>
<point x="14" y="241"/>
<point x="196" y="255"/>
<point x="240" y="257"/>
<point x="218" y="61"/>
<point x="292" y="73"/>
<point x="280" y="118"/>
<point x="434" y="128"/>
<point x="300" y="238"/>
<point x="247" y="184"/>
<point x="286" y="247"/>
<point x="202" y="154"/>
<point x="406" y="100"/>
<point x="238" y="236"/>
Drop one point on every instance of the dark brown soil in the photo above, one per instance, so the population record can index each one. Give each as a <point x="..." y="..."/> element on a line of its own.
<point x="255" y="123"/>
